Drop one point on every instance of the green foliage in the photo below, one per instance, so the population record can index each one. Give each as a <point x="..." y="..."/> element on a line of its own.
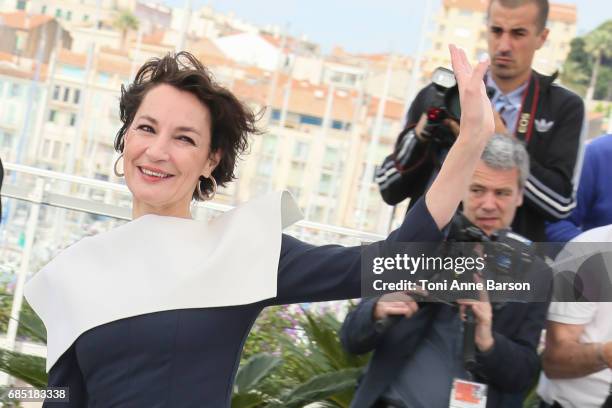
<point x="335" y="387"/>
<point x="595" y="48"/>
<point x="30" y="369"/>
<point x="254" y="370"/>
<point x="264" y="337"/>
<point x="125" y="21"/>
<point x="31" y="327"/>
<point x="314" y="368"/>
<point x="248" y="378"/>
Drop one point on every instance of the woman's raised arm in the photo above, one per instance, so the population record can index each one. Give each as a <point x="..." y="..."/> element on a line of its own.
<point x="476" y="128"/>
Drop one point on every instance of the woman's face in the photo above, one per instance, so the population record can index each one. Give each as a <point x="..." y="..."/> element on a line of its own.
<point x="167" y="149"/>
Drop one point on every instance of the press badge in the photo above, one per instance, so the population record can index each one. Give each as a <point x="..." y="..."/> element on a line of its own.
<point x="468" y="394"/>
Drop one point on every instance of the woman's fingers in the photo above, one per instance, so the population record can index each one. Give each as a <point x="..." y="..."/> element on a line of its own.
<point x="461" y="66"/>
<point x="481" y="70"/>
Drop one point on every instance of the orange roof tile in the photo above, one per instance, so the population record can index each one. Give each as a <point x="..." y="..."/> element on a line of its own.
<point x="21" y="20"/>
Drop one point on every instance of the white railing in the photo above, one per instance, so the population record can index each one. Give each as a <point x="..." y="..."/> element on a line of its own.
<point x="64" y="193"/>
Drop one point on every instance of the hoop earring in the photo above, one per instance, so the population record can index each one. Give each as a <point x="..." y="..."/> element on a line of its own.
<point x="209" y="196"/>
<point x="115" y="167"/>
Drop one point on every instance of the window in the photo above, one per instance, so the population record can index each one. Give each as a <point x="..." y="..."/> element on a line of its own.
<point x="15" y="90"/>
<point x="264" y="168"/>
<point x="21" y="5"/>
<point x="296" y="173"/>
<point x="311" y="120"/>
<point x="76" y="96"/>
<point x="43" y="9"/>
<point x="52" y="116"/>
<point x="337" y="124"/>
<point x="351" y="79"/>
<point x="330" y="158"/>
<point x="66" y="94"/>
<point x="325" y="184"/>
<point x="56" y="92"/>
<point x="85" y="18"/>
<point x="68" y="15"/>
<point x="56" y="150"/>
<point x="21" y="40"/>
<point x="269" y="145"/>
<point x="6" y="140"/>
<point x="300" y="151"/>
<point x="73" y="118"/>
<point x="9" y="115"/>
<point x="58" y="13"/>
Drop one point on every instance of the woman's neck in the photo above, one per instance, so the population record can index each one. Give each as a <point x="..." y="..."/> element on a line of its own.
<point x="140" y="209"/>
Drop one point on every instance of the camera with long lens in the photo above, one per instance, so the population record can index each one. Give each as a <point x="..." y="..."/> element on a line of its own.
<point x="507" y="256"/>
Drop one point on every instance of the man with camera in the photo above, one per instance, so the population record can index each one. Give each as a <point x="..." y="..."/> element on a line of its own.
<point x="547" y="118"/>
<point x="417" y="347"/>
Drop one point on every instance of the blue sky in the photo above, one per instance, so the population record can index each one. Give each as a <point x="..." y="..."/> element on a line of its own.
<point x="363" y="25"/>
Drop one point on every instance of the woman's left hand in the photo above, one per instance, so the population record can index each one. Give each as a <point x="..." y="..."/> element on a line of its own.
<point x="477" y="120"/>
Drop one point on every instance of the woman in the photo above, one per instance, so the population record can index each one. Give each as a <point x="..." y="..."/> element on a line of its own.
<point x="155" y="312"/>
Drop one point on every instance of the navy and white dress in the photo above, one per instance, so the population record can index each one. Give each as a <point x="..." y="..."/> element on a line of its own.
<point x="155" y="313"/>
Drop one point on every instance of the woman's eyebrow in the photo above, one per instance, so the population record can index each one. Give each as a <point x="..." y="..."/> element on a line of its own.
<point x="149" y="118"/>
<point x="187" y="129"/>
<point x="180" y="128"/>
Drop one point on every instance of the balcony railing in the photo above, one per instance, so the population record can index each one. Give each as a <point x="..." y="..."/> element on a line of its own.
<point x="46" y="211"/>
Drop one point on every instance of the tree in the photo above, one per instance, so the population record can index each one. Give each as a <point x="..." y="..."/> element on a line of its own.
<point x="599" y="46"/>
<point x="125" y="22"/>
<point x="588" y="66"/>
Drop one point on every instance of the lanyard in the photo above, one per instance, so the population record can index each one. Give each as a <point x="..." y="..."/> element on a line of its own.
<point x="529" y="105"/>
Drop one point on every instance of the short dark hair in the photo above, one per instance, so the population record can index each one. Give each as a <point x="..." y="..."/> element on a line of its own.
<point x="542" y="6"/>
<point x="232" y="121"/>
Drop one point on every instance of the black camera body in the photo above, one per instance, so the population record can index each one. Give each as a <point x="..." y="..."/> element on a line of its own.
<point x="443" y="104"/>
<point x="507" y="255"/>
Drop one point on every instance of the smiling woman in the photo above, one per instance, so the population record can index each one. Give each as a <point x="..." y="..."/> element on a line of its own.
<point x="154" y="313"/>
<point x="209" y="125"/>
<point x="167" y="151"/>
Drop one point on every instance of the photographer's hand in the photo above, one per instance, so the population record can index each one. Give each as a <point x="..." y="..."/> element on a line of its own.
<point x="483" y="337"/>
<point x="453" y="125"/>
<point x="422" y="135"/>
<point x="483" y="312"/>
<point x="395" y="304"/>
